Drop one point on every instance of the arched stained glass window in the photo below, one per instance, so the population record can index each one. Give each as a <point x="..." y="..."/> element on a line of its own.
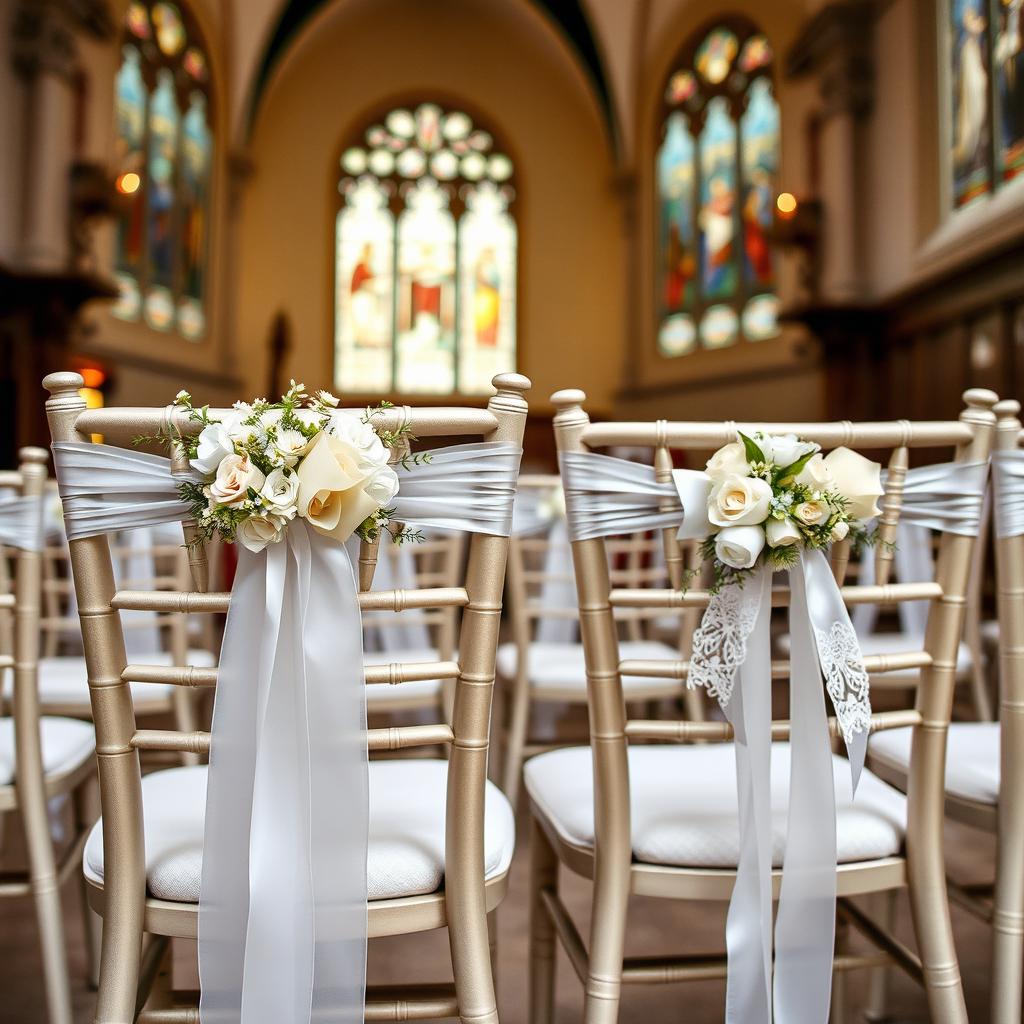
<point x="715" y="180"/>
<point x="425" y="257"/>
<point x="164" y="160"/>
<point x="986" y="99"/>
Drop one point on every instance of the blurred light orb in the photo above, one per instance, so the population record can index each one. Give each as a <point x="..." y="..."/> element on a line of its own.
<point x="786" y="204"/>
<point x="128" y="183"/>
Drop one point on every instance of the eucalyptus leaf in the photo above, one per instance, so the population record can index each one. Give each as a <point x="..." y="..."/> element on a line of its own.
<point x="795" y="468"/>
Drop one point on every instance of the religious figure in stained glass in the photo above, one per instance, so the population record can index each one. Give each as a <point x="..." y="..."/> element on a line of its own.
<point x="1008" y="65"/>
<point x="425" y="257"/>
<point x="716" y="170"/>
<point x="971" y="125"/>
<point x="164" y="163"/>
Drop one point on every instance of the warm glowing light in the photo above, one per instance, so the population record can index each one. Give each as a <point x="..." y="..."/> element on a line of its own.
<point x="93" y="377"/>
<point x="128" y="183"/>
<point x="786" y="204"/>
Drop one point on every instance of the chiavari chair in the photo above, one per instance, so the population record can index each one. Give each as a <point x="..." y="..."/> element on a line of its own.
<point x="41" y="758"/>
<point x="441" y="836"/>
<point x="641" y="819"/>
<point x="984" y="779"/>
<point x="546" y="668"/>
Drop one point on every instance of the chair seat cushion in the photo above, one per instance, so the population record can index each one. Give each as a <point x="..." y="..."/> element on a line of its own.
<point x="561" y="665"/>
<point x="66" y="743"/>
<point x="64" y="680"/>
<point x="406" y="849"/>
<point x="683" y="804"/>
<point x="972" y="758"/>
<point x="417" y="688"/>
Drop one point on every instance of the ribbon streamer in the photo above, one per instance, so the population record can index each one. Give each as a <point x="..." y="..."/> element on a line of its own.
<point x="21" y="523"/>
<point x="282" y="913"/>
<point x="1008" y="484"/>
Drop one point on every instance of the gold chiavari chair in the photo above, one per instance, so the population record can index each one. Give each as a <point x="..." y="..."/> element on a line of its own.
<point x="143" y="860"/>
<point x="645" y="820"/>
<point x="436" y="561"/>
<point x="984" y="780"/>
<point x="41" y="758"/>
<point x="533" y="670"/>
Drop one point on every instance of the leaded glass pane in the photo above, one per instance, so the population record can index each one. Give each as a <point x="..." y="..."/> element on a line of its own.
<point x="718" y="201"/>
<point x="130" y="158"/>
<point x="160" y="223"/>
<point x="194" y="186"/>
<point x="677" y="229"/>
<point x="1008" y="67"/>
<point x="972" y="128"/>
<point x="760" y="133"/>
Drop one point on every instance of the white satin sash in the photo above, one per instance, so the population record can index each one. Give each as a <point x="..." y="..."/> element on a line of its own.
<point x="282" y="913"/>
<point x="947" y="496"/>
<point x="1008" y="484"/>
<point x="21" y="523"/>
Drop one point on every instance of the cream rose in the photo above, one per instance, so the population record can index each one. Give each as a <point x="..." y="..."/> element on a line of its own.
<point x="739" y="546"/>
<point x="280" y="492"/>
<point x="256" y="532"/>
<point x="859" y="480"/>
<point x="290" y="446"/>
<point x="362" y="437"/>
<point x="840" y="530"/>
<point x="331" y="494"/>
<point x="215" y="445"/>
<point x="781" y="533"/>
<point x="739" y="501"/>
<point x="728" y="461"/>
<point x="784" y="449"/>
<point x="812" y="513"/>
<point x="816" y="475"/>
<point x="382" y="485"/>
<point x="235" y="475"/>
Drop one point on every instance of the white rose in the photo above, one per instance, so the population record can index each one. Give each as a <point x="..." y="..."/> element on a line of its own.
<point x="840" y="530"/>
<point x="280" y="492"/>
<point x="781" y="533"/>
<point x="730" y="460"/>
<point x="290" y="446"/>
<point x="816" y="475"/>
<point x="331" y="494"/>
<point x="857" y="479"/>
<point x="739" y="546"/>
<point x="787" y="448"/>
<point x="326" y="398"/>
<point x="256" y="532"/>
<point x="235" y="475"/>
<point x="350" y="427"/>
<point x="739" y="501"/>
<point x="215" y="445"/>
<point x="382" y="485"/>
<point x="812" y="513"/>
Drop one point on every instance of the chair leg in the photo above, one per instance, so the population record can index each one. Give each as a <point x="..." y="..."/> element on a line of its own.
<point x="883" y="907"/>
<point x="492" y="943"/>
<point x="185" y="718"/>
<point x="543" y="876"/>
<point x="839" y="1010"/>
<point x="515" y="737"/>
<point x="1008" y="920"/>
<point x="86" y="814"/>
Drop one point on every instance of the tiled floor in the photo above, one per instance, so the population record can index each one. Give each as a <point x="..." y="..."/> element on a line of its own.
<point x="656" y="927"/>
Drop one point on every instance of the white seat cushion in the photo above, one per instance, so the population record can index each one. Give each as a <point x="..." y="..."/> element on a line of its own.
<point x="557" y="666"/>
<point x="407" y="817"/>
<point x="683" y="804"/>
<point x="409" y="656"/>
<point x="972" y="758"/>
<point x="64" y="680"/>
<point x="67" y="742"/>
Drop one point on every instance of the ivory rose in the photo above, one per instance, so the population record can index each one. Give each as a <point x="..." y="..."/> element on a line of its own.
<point x="739" y="546"/>
<point x="215" y="445"/>
<point x="280" y="492"/>
<point x="235" y="475"/>
<point x="859" y="480"/>
<point x="840" y="530"/>
<point x="816" y="475"/>
<point x="812" y="513"/>
<point x="781" y="533"/>
<point x="730" y="460"/>
<point x="332" y="496"/>
<point x="783" y="449"/>
<point x="256" y="532"/>
<point x="739" y="501"/>
<point x="382" y="485"/>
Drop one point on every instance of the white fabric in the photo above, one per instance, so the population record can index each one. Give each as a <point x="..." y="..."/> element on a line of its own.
<point x="66" y="743"/>
<point x="406" y="845"/>
<point x="416" y="688"/>
<point x="683" y="804"/>
<point x="560" y="666"/>
<point x="972" y="758"/>
<point x="63" y="680"/>
<point x="21" y="522"/>
<point x="1008" y="481"/>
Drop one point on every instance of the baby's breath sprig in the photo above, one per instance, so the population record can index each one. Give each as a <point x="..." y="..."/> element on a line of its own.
<point x="402" y="437"/>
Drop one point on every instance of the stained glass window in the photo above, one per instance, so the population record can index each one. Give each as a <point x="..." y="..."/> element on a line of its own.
<point x="986" y="82"/>
<point x="425" y="257"/>
<point x="164" y="165"/>
<point x="716" y="169"/>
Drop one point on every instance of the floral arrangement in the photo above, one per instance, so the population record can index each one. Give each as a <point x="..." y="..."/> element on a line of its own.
<point x="268" y="463"/>
<point x="770" y="495"/>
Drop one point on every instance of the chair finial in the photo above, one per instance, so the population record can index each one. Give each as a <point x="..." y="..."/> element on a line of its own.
<point x="33" y="454"/>
<point x="980" y="398"/>
<point x="511" y="383"/>
<point x="1007" y="408"/>
<point x="63" y="383"/>
<point x="568" y="399"/>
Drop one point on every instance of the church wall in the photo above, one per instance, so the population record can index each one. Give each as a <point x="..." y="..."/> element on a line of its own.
<point x="508" y="67"/>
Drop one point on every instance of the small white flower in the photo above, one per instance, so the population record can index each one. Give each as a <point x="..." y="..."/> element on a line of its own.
<point x="840" y="530"/>
<point x="181" y="397"/>
<point x="280" y="492"/>
<point x="256" y="532"/>
<point x="382" y="485"/>
<point x="350" y="427"/>
<point x="739" y="546"/>
<point x="290" y="446"/>
<point x="326" y="398"/>
<point x="215" y="445"/>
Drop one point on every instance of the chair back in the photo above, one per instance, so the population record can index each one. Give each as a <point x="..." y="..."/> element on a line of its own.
<point x="970" y="436"/>
<point x="100" y="602"/>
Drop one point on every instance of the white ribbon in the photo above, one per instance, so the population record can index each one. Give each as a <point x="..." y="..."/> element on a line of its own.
<point x="282" y="913"/>
<point x="947" y="496"/>
<point x="21" y="523"/>
<point x="1008" y="484"/>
